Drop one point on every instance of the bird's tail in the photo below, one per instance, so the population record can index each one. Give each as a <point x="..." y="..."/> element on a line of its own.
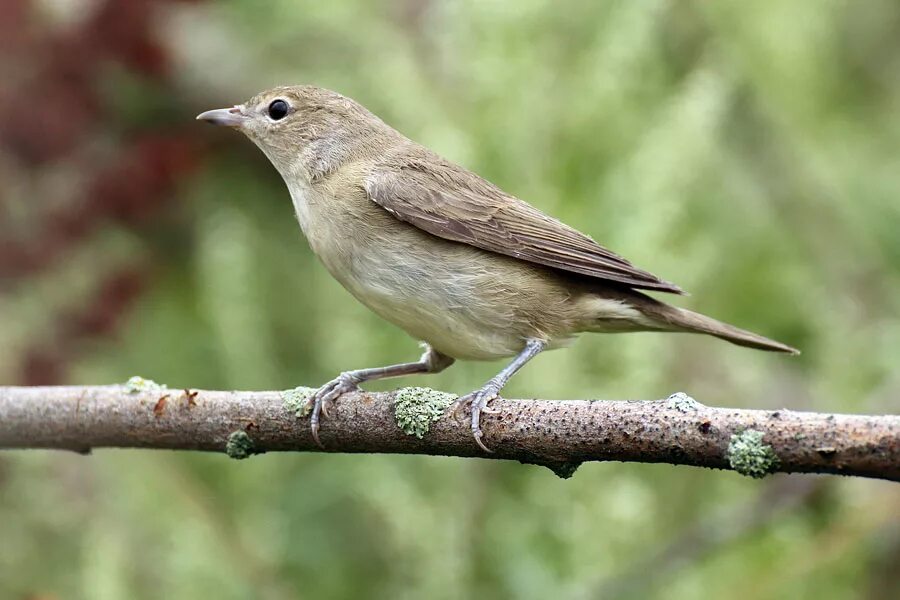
<point x="681" y="319"/>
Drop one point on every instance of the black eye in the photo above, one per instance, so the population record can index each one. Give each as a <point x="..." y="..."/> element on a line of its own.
<point x="278" y="109"/>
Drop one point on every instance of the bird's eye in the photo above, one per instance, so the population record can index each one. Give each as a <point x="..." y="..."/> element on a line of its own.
<point x="278" y="109"/>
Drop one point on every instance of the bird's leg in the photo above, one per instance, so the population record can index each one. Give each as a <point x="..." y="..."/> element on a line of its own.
<point x="432" y="361"/>
<point x="479" y="399"/>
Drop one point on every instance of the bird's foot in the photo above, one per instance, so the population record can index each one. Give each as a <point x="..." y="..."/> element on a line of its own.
<point x="479" y="400"/>
<point x="325" y="396"/>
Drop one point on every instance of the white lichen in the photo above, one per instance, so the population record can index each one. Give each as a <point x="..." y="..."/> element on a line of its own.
<point x="137" y="384"/>
<point x="682" y="402"/>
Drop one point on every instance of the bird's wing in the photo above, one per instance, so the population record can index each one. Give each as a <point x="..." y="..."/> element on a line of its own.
<point x="447" y="201"/>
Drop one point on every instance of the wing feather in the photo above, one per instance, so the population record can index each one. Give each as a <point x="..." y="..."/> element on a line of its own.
<point x="445" y="200"/>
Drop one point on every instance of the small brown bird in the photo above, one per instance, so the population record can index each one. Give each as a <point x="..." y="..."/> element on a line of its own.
<point x="452" y="259"/>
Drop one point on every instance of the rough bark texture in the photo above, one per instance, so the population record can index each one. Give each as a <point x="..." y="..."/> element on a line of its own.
<point x="557" y="434"/>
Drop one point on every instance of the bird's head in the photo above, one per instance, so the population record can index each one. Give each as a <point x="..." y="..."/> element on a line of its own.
<point x="304" y="130"/>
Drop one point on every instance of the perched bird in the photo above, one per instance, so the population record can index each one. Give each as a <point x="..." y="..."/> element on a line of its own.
<point x="452" y="259"/>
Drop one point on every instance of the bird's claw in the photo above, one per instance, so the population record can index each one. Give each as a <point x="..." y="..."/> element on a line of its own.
<point x="478" y="400"/>
<point x="324" y="397"/>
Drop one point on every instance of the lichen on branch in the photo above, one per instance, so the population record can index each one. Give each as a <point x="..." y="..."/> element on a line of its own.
<point x="416" y="408"/>
<point x="557" y="434"/>
<point x="748" y="455"/>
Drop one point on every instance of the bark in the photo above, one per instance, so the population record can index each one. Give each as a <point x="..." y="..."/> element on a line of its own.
<point x="558" y="434"/>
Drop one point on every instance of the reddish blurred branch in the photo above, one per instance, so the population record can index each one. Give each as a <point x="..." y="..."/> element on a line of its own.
<point x="80" y="155"/>
<point x="557" y="434"/>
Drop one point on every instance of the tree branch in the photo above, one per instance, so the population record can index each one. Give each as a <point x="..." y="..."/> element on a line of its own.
<point x="557" y="434"/>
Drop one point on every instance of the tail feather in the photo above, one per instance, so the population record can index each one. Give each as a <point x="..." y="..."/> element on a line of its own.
<point x="688" y="321"/>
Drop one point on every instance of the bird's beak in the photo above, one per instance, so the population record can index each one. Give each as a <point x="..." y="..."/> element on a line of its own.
<point x="229" y="117"/>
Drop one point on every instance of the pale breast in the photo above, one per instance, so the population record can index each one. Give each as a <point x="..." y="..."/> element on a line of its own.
<point x="465" y="302"/>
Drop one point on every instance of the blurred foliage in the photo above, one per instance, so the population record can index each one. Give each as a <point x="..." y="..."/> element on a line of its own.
<point x="747" y="151"/>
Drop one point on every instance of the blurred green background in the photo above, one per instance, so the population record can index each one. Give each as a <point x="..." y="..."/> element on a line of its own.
<point x="749" y="151"/>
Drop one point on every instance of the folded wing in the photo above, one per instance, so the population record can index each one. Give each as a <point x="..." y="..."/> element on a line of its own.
<point x="447" y="201"/>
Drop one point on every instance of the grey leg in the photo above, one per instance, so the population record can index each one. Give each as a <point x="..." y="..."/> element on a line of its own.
<point x="480" y="398"/>
<point x="432" y="361"/>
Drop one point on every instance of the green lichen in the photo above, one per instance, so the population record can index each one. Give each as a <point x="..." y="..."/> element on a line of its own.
<point x="136" y="385"/>
<point x="682" y="402"/>
<point x="297" y="399"/>
<point x="416" y="408"/>
<point x="240" y="445"/>
<point x="748" y="455"/>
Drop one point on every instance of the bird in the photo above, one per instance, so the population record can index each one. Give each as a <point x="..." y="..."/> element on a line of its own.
<point x="472" y="272"/>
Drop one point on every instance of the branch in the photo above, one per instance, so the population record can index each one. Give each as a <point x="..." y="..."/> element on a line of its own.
<point x="557" y="434"/>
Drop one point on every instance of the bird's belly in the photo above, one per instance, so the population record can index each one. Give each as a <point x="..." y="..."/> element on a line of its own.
<point x="465" y="302"/>
<point x="453" y="306"/>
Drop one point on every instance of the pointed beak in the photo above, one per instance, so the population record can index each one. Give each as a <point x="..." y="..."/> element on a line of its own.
<point x="229" y="117"/>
